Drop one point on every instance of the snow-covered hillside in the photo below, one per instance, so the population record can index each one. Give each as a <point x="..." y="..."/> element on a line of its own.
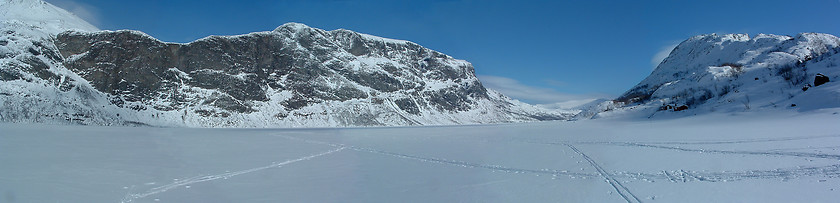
<point x="733" y="73"/>
<point x="294" y="76"/>
<point x="34" y="85"/>
<point x="40" y="16"/>
<point x="781" y="156"/>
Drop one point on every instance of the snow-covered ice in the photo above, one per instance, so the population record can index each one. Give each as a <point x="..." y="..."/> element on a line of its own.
<point x="779" y="156"/>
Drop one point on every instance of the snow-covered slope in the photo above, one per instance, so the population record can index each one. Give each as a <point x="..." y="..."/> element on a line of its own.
<point x="34" y="85"/>
<point x="294" y="76"/>
<point x="734" y="72"/>
<point x="40" y="16"/>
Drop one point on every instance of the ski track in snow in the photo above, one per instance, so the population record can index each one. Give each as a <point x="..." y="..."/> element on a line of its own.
<point x="739" y="141"/>
<point x="775" y="152"/>
<point x="448" y="162"/>
<point x="186" y="182"/>
<point x="763" y="153"/>
<point x="621" y="189"/>
<point x="472" y="165"/>
<point x="828" y="171"/>
<point x="676" y="176"/>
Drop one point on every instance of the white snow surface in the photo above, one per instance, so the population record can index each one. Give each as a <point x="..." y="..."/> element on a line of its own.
<point x="778" y="156"/>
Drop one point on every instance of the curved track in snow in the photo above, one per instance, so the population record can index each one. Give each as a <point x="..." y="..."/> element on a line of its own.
<point x="186" y="182"/>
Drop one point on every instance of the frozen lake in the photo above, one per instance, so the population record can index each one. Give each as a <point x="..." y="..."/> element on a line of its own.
<point x="760" y="157"/>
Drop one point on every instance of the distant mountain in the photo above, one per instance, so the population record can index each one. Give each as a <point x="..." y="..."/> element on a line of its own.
<point x="294" y="76"/>
<point x="732" y="73"/>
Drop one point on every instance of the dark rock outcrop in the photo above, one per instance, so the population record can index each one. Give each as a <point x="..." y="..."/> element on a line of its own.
<point x="820" y="79"/>
<point x="139" y="68"/>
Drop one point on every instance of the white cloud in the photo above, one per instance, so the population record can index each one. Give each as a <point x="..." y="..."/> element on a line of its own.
<point x="535" y="95"/>
<point x="662" y="54"/>
<point x="573" y="104"/>
<point x="84" y="11"/>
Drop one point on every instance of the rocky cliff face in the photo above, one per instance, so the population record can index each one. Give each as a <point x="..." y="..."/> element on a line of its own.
<point x="294" y="73"/>
<point x="734" y="72"/>
<point x="293" y="76"/>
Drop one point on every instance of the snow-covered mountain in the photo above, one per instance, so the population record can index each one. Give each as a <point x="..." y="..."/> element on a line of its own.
<point x="294" y="76"/>
<point x="734" y="72"/>
<point x="40" y="16"/>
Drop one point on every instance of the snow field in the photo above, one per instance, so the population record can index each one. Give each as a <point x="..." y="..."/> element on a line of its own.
<point x="778" y="156"/>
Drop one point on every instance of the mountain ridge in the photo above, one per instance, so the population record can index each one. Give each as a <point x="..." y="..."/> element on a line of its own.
<point x="56" y="68"/>
<point x="293" y="76"/>
<point x="733" y="73"/>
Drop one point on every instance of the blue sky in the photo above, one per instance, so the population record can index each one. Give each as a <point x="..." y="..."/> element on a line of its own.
<point x="535" y="51"/>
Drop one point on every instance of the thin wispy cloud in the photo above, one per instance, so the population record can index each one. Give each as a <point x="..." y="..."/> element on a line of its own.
<point x="663" y="53"/>
<point x="555" y="83"/>
<point x="85" y="11"/>
<point x="530" y="94"/>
